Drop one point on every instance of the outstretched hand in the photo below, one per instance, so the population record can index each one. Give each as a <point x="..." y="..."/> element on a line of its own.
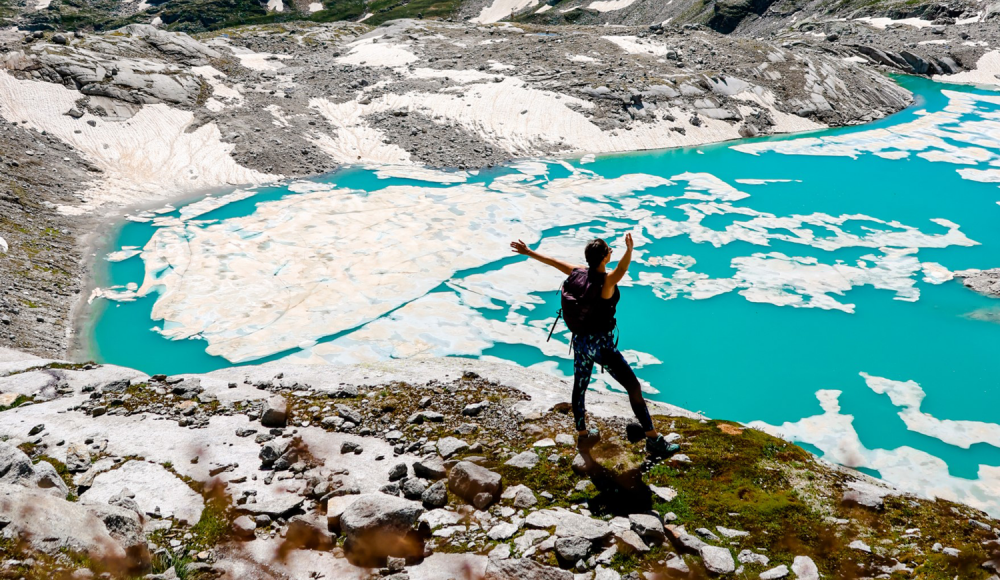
<point x="520" y="247"/>
<point x="628" y="240"/>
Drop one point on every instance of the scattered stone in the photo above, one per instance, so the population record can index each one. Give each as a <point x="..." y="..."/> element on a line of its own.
<point x="730" y="534"/>
<point x="449" y="446"/>
<point x="748" y="557"/>
<point x="648" y="527"/>
<point x="565" y="439"/>
<point x="804" y="568"/>
<point x="475" y="409"/>
<point x="524" y="460"/>
<point x="629" y="542"/>
<point x="430" y="468"/>
<point x="244" y="527"/>
<point x="572" y="549"/>
<point x="467" y="480"/>
<point x="500" y="552"/>
<point x="413" y="488"/>
<point x="860" y="546"/>
<point x="524" y="498"/>
<point x="349" y="447"/>
<point x="718" y="560"/>
<point x="707" y="534"/>
<point x="435" y="496"/>
<point x="664" y="493"/>
<point x="397" y="472"/>
<point x="502" y="531"/>
<point x="775" y="573"/>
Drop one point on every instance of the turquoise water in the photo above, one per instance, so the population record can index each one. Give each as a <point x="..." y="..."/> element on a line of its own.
<point x="723" y="355"/>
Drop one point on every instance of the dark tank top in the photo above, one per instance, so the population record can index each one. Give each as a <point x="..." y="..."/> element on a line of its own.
<point x="602" y="318"/>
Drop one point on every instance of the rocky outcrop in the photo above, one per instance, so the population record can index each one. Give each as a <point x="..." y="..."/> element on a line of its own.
<point x="17" y="469"/>
<point x="985" y="282"/>
<point x="50" y="525"/>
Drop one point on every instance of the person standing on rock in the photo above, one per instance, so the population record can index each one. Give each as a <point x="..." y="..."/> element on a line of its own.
<point x="589" y="301"/>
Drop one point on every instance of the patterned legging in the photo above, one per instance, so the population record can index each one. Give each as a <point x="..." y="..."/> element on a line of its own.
<point x="601" y="349"/>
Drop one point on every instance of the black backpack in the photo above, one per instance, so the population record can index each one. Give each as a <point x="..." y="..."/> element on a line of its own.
<point x="579" y="295"/>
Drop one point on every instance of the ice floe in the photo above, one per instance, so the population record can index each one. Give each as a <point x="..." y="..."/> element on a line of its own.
<point x="909" y="469"/>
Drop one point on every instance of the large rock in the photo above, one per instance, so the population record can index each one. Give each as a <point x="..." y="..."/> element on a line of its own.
<point x="15" y="466"/>
<point x="16" y="469"/>
<point x="523" y="569"/>
<point x="572" y="549"/>
<point x="275" y="413"/>
<point x="377" y="526"/>
<point x="77" y="458"/>
<point x="718" y="560"/>
<point x="805" y="568"/>
<point x="648" y="527"/>
<point x="448" y="446"/>
<point x="47" y="478"/>
<point x="467" y="480"/>
<point x="430" y="468"/>
<point x="51" y="525"/>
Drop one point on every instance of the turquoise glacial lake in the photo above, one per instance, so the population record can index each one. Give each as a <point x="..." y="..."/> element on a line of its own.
<point x="803" y="284"/>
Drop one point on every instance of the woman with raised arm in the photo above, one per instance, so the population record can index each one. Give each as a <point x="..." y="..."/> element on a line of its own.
<point x="595" y="296"/>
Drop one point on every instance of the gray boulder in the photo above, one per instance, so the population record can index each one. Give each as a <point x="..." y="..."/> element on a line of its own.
<point x="571" y="550"/>
<point x="718" y="560"/>
<point x="523" y="569"/>
<point x="77" y="458"/>
<point x="435" y="496"/>
<point x="275" y="413"/>
<point x="15" y="466"/>
<point x="430" y="468"/>
<point x="272" y="450"/>
<point x="413" y="488"/>
<point x="244" y="527"/>
<point x="348" y="414"/>
<point x="397" y="472"/>
<point x="467" y="480"/>
<point x="525" y="460"/>
<point x="448" y="446"/>
<point x="51" y="525"/>
<point x="377" y="526"/>
<point x="648" y="527"/>
<point x="47" y="478"/>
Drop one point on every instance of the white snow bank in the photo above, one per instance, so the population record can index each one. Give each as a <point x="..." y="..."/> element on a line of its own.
<point x="150" y="156"/>
<point x="501" y="9"/>
<point x="985" y="73"/>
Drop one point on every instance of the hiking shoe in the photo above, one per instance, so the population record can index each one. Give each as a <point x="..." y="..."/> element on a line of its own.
<point x="589" y="440"/>
<point x="658" y="446"/>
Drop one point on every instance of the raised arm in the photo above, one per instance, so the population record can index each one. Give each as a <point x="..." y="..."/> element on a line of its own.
<point x="618" y="273"/>
<point x="520" y="247"/>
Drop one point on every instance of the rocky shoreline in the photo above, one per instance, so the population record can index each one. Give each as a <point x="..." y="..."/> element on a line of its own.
<point x="441" y="468"/>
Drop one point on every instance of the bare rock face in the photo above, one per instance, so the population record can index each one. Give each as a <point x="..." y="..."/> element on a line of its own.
<point x="50" y="524"/>
<point x="377" y="526"/>
<point x="468" y="480"/>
